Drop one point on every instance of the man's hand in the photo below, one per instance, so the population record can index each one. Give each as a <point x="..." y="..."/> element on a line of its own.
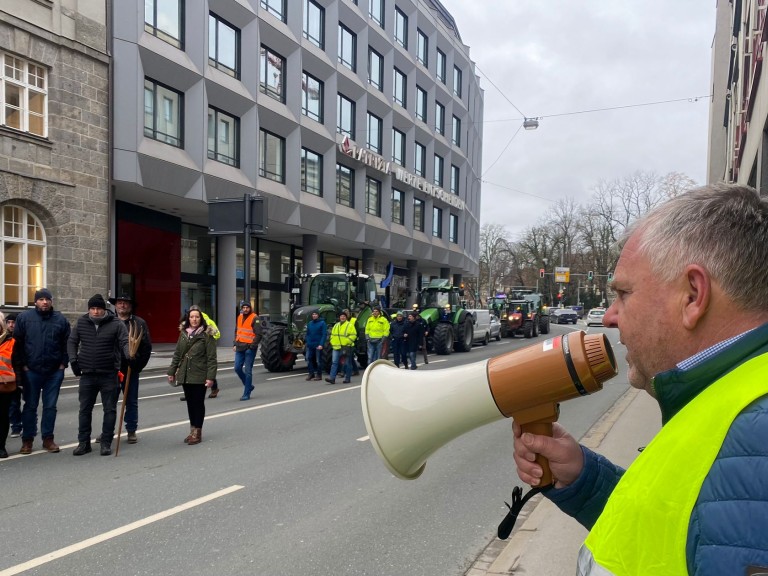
<point x="76" y="369"/>
<point x="562" y="451"/>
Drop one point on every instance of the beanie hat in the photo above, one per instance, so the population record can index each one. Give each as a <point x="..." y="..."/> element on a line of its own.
<point x="11" y="316"/>
<point x="43" y="293"/>
<point x="97" y="301"/>
<point x="245" y="303"/>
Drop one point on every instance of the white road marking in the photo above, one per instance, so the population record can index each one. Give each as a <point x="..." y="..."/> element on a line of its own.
<point x="78" y="546"/>
<point x="363" y="438"/>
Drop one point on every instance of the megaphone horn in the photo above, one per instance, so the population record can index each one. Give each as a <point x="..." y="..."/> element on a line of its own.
<point x="410" y="415"/>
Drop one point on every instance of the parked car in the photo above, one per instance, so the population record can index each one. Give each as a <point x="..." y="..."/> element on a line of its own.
<point x="595" y="316"/>
<point x="495" y="327"/>
<point x="563" y="316"/>
<point x="481" y="319"/>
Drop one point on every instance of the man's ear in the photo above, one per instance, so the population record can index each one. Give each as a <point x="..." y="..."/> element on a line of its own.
<point x="697" y="295"/>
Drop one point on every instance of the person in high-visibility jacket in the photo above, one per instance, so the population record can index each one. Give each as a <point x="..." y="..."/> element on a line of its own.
<point x="247" y="337"/>
<point x="692" y="311"/>
<point x="376" y="330"/>
<point x="343" y="337"/>
<point x="8" y="379"/>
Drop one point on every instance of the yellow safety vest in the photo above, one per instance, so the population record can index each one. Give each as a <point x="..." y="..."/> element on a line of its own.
<point x="643" y="529"/>
<point x="338" y="339"/>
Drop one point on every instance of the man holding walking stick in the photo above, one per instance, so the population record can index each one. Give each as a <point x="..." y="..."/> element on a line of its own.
<point x="140" y="345"/>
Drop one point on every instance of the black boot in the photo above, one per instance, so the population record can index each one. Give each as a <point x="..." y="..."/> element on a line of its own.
<point x="82" y="448"/>
<point x="106" y="448"/>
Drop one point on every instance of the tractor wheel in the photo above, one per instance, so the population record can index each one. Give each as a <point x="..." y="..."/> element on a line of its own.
<point x="442" y="339"/>
<point x="275" y="356"/>
<point x="466" y="334"/>
<point x="327" y="357"/>
<point x="536" y="328"/>
<point x="544" y="325"/>
<point x="528" y="329"/>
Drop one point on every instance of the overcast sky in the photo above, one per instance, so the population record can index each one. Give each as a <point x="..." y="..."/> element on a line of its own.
<point x="551" y="57"/>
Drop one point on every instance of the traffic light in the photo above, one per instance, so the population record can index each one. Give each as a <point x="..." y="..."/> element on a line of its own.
<point x="610" y="276"/>
<point x="541" y="272"/>
<point x="590" y="275"/>
<point x="559" y="295"/>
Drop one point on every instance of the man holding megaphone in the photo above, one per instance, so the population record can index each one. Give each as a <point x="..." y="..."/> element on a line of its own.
<point x="692" y="311"/>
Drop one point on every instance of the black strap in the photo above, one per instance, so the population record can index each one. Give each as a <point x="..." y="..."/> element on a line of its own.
<point x="518" y="501"/>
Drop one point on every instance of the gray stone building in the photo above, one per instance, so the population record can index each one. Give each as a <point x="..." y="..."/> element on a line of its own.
<point x="54" y="152"/>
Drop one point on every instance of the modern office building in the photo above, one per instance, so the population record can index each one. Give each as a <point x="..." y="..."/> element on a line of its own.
<point x="54" y="152"/>
<point x="360" y="123"/>
<point x="738" y="145"/>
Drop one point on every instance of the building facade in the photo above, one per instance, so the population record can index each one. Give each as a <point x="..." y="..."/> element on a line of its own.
<point x="54" y="152"/>
<point x="360" y="123"/>
<point x="738" y="146"/>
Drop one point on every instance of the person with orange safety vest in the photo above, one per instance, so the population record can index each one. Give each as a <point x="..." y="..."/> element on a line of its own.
<point x="247" y="337"/>
<point x="7" y="382"/>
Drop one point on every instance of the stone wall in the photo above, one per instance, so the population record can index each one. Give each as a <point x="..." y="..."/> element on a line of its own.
<point x="64" y="179"/>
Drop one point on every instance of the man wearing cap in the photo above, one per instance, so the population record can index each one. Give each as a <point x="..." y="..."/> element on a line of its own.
<point x="376" y="329"/>
<point x="124" y="305"/>
<point x="247" y="337"/>
<point x="97" y="343"/>
<point x="343" y="336"/>
<point x="40" y="349"/>
<point x="397" y="339"/>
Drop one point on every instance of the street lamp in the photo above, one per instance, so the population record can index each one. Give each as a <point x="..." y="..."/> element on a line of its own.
<point x="531" y="123"/>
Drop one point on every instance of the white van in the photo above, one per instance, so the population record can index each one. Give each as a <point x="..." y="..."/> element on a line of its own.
<point x="482" y="325"/>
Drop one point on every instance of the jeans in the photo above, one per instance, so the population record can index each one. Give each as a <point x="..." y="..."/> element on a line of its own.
<point x="91" y="385"/>
<point x="131" y="402"/>
<point x="14" y="411"/>
<point x="374" y="350"/>
<point x="314" y="361"/>
<point x="412" y="357"/>
<point x="244" y="368"/>
<point x="337" y="356"/>
<point x="47" y="385"/>
<point x="397" y="345"/>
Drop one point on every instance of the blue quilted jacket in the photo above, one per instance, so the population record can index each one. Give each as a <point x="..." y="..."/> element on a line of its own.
<point x="728" y="529"/>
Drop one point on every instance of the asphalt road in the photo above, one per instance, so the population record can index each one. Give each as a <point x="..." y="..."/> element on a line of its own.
<point x="286" y="484"/>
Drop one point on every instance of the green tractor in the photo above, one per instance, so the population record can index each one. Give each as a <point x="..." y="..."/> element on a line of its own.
<point x="450" y="325"/>
<point x="328" y="294"/>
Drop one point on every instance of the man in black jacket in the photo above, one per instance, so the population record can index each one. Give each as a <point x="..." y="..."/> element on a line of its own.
<point x="40" y="349"/>
<point x="124" y="305"/>
<point x="95" y="348"/>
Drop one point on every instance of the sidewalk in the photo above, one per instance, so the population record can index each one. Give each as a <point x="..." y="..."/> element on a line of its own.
<point x="547" y="541"/>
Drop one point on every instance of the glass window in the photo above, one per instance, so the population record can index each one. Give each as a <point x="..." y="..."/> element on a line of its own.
<point x="376" y="11"/>
<point x="314" y="23"/>
<point x="438" y="176"/>
<point x="165" y="19"/>
<point x="373" y="139"/>
<point x="422" y="48"/>
<point x="398" y="146"/>
<point x="453" y="228"/>
<point x="24" y="94"/>
<point x="456" y="136"/>
<point x="455" y="175"/>
<point x="437" y="222"/>
<point x="421" y="104"/>
<point x="440" y="71"/>
<point x="223" y="137"/>
<point x="439" y="118"/>
<point x="347" y="47"/>
<point x="312" y="97"/>
<point x="271" y="156"/>
<point x="311" y="172"/>
<point x="418" y="215"/>
<point x="223" y="46"/>
<point x="398" y="213"/>
<point x="375" y="69"/>
<point x="271" y="78"/>
<point x="457" y="81"/>
<point x="24" y="256"/>
<point x="372" y="196"/>
<point x="345" y="186"/>
<point x="275" y="7"/>
<point x="163" y="113"/>
<point x="420" y="160"/>
<point x="345" y="116"/>
<point x="400" y="88"/>
<point x="401" y="28"/>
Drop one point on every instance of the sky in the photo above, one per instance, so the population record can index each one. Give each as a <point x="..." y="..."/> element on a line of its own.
<point x="552" y="59"/>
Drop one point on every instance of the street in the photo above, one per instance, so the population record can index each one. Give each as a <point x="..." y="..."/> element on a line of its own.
<point x="286" y="483"/>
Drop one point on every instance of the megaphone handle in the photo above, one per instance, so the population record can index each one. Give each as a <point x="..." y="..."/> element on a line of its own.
<point x="542" y="429"/>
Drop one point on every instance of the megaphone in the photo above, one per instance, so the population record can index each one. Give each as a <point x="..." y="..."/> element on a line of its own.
<point x="410" y="415"/>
